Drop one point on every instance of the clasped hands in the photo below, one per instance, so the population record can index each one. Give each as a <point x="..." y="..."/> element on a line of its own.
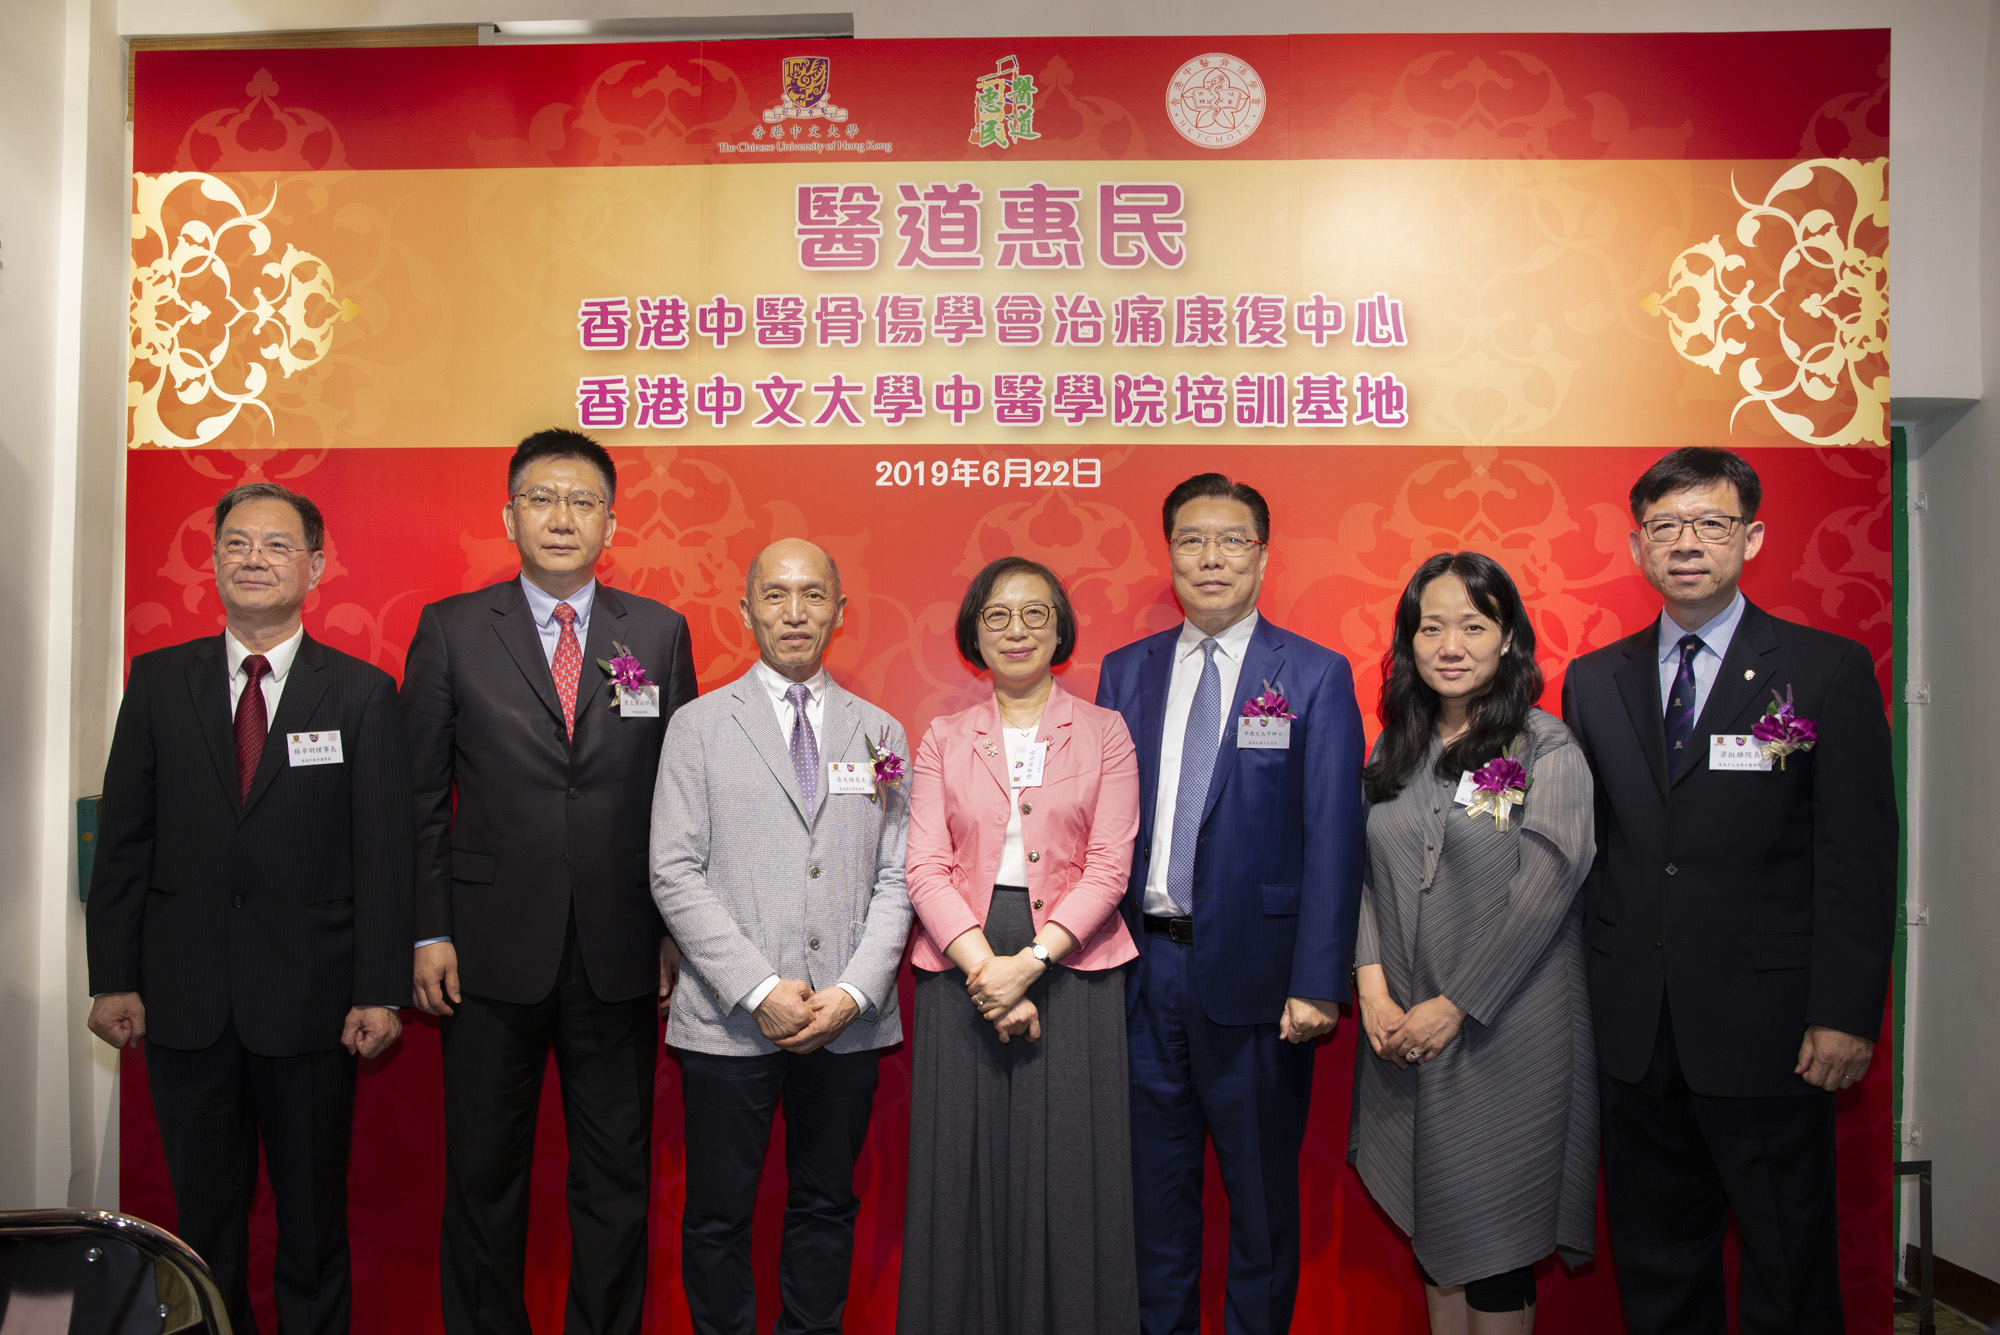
<point x="800" y="1020"/>
<point x="998" y="986"/>
<point x="1407" y="1037"/>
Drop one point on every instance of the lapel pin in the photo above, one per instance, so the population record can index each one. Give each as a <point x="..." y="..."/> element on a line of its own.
<point x="1749" y="674"/>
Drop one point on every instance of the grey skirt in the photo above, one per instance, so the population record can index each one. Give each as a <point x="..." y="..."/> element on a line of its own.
<point x="1020" y="1209"/>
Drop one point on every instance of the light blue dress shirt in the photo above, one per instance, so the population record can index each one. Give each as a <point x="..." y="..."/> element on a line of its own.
<point x="1715" y="637"/>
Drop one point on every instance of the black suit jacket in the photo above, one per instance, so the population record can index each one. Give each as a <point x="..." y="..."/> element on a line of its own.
<point x="540" y="824"/>
<point x="283" y="911"/>
<point x="1756" y="903"/>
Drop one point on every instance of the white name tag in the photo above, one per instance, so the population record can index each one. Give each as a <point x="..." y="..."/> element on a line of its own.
<point x="314" y="748"/>
<point x="1026" y="771"/>
<point x="1263" y="734"/>
<point x="639" y="701"/>
<point x="1465" y="789"/>
<point x="1737" y="751"/>
<point x="850" y="776"/>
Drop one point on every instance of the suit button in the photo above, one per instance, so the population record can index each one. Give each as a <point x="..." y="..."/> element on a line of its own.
<point x="814" y="873"/>
<point x="575" y="793"/>
<point x="1034" y="857"/>
<point x="565" y="859"/>
<point x="812" y="943"/>
<point x="1027" y="808"/>
<point x="1659" y="943"/>
<point x="236" y="901"/>
<point x="1672" y="870"/>
<point x="1038" y="904"/>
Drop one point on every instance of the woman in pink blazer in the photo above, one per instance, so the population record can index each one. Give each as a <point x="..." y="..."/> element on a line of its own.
<point x="1023" y="812"/>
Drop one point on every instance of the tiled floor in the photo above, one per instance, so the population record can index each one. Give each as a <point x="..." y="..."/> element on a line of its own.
<point x="1948" y="1323"/>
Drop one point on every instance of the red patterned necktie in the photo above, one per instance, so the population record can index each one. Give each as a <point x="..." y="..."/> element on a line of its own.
<point x="251" y="724"/>
<point x="568" y="665"/>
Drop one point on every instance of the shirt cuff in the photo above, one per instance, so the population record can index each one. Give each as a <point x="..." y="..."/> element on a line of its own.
<point x="432" y="941"/>
<point x="756" y="995"/>
<point x="860" y="999"/>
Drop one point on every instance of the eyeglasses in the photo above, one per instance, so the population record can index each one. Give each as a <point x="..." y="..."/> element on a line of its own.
<point x="235" y="551"/>
<point x="1234" y="546"/>
<point x="1709" y="528"/>
<point x="582" y="504"/>
<point x="1033" y="616"/>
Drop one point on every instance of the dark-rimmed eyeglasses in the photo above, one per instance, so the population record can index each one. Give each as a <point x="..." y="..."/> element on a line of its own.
<point x="1708" y="528"/>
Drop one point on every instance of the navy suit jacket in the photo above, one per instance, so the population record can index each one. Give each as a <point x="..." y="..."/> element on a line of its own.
<point x="1277" y="872"/>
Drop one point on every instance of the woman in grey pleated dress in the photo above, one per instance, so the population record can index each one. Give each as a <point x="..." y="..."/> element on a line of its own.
<point x="1475" y="1095"/>
<point x="1023" y="811"/>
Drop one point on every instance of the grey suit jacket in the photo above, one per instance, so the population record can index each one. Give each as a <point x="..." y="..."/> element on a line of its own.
<point x="752" y="884"/>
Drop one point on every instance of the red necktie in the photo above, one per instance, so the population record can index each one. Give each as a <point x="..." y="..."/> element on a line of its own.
<point x="251" y="724"/>
<point x="568" y="665"/>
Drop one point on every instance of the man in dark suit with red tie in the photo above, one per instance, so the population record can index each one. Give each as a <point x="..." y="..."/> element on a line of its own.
<point x="249" y="913"/>
<point x="535" y="924"/>
<point x="1740" y="916"/>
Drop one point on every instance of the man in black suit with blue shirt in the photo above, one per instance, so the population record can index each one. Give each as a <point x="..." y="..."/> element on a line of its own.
<point x="535" y="924"/>
<point x="249" y="915"/>
<point x="1740" y="917"/>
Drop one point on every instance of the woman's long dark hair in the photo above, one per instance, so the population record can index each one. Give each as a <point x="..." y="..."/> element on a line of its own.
<point x="1409" y="708"/>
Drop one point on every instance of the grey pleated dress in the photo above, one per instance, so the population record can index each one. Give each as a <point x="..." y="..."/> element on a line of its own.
<point x="1020" y="1205"/>
<point x="1487" y="1155"/>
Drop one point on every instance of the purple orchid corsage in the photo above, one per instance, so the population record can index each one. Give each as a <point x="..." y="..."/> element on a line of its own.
<point x="889" y="767"/>
<point x="625" y="671"/>
<point x="1498" y="786"/>
<point x="1781" y="731"/>
<point x="1271" y="704"/>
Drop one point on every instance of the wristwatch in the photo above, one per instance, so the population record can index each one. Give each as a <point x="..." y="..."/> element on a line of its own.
<point x="1041" y="952"/>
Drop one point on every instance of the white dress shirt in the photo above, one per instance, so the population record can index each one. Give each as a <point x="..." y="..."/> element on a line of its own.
<point x="1013" y="857"/>
<point x="542" y="607"/>
<point x="280" y="656"/>
<point x="1231" y="646"/>
<point x="1715" y="637"/>
<point x="778" y="687"/>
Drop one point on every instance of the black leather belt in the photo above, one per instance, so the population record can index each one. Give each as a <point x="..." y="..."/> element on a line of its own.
<point x="1174" y="929"/>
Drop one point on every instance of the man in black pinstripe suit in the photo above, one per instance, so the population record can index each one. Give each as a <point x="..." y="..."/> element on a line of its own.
<point x="250" y="906"/>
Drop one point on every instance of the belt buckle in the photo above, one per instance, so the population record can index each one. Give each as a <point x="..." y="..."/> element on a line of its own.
<point x="1181" y="930"/>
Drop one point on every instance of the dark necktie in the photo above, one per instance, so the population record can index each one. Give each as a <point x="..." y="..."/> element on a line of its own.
<point x="1680" y="705"/>
<point x="251" y="724"/>
<point x="805" y="748"/>
<point x="1198" y="748"/>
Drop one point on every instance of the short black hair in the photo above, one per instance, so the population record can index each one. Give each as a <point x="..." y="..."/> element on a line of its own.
<point x="312" y="526"/>
<point x="1218" y="486"/>
<point x="1698" y="466"/>
<point x="562" y="443"/>
<point x="981" y="588"/>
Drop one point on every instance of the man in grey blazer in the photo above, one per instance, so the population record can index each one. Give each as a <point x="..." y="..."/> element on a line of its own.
<point x="777" y="862"/>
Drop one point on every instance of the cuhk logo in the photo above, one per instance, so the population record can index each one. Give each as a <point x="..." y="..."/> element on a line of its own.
<point x="805" y="81"/>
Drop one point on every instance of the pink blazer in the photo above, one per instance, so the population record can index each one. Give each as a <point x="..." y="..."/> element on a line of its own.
<point x="1077" y="828"/>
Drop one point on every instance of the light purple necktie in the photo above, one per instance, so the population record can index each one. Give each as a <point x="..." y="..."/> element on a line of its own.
<point x="805" y="750"/>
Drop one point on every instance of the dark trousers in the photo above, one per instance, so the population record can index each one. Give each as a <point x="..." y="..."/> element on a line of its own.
<point x="1677" y="1164"/>
<point x="213" y="1106"/>
<point x="1247" y="1089"/>
<point x="728" y="1102"/>
<point x="494" y="1055"/>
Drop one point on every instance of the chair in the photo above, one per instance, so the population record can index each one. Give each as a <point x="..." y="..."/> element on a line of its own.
<point x="92" y="1272"/>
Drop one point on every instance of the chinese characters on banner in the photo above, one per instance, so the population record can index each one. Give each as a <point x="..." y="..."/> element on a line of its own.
<point x="839" y="229"/>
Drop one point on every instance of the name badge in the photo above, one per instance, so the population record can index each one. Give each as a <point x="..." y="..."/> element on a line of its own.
<point x="850" y="776"/>
<point x="639" y="701"/>
<point x="1026" y="771"/>
<point x="1736" y="751"/>
<point x="1263" y="734"/>
<point x="313" y="748"/>
<point x="1465" y="790"/>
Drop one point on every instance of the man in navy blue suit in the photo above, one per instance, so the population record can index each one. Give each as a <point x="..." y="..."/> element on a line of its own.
<point x="1243" y="899"/>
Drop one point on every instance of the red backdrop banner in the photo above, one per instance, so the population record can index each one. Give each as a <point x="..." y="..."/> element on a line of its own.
<point x="1349" y="524"/>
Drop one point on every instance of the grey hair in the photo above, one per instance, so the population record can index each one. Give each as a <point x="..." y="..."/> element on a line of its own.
<point x="757" y="564"/>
